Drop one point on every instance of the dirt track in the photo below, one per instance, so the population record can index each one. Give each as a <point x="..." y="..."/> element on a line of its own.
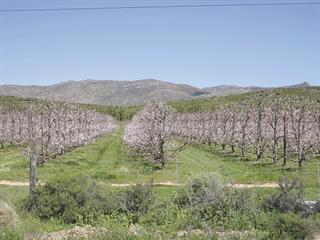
<point x="235" y="185"/>
<point x="167" y="183"/>
<point x="13" y="183"/>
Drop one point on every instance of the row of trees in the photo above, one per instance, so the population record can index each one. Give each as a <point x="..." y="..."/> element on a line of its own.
<point x="266" y="126"/>
<point x="49" y="130"/>
<point x="149" y="133"/>
<point x="52" y="128"/>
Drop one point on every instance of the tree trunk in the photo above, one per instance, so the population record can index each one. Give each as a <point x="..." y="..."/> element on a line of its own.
<point x="160" y="158"/>
<point x="162" y="162"/>
<point x="285" y="132"/>
<point x="259" y="156"/>
<point x="242" y="151"/>
<point x="301" y="159"/>
<point x="275" y="145"/>
<point x="259" y="147"/>
<point x="33" y="179"/>
<point x="274" y="154"/>
<point x="33" y="161"/>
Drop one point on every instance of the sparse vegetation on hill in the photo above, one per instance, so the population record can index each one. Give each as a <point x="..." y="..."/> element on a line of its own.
<point x="116" y="93"/>
<point x="124" y="113"/>
<point x="208" y="104"/>
<point x="126" y="93"/>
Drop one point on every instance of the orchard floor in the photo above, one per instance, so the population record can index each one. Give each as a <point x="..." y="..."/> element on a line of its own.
<point x="107" y="161"/>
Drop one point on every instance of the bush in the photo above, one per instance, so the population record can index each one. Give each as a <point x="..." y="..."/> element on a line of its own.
<point x="80" y="200"/>
<point x="8" y="216"/>
<point x="209" y="191"/>
<point x="212" y="200"/>
<point x="181" y="198"/>
<point x="163" y="216"/>
<point x="137" y="199"/>
<point x="75" y="199"/>
<point x="316" y="207"/>
<point x="289" y="198"/>
<point x="291" y="226"/>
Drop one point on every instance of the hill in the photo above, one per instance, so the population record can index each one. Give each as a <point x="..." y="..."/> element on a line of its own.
<point x="183" y="105"/>
<point x="123" y="93"/>
<point x="206" y="104"/>
<point x="223" y="90"/>
<point x="105" y="92"/>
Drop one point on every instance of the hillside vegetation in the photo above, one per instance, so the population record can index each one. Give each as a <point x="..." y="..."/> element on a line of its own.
<point x="123" y="113"/>
<point x="124" y="93"/>
<point x="207" y="104"/>
<point x="107" y="92"/>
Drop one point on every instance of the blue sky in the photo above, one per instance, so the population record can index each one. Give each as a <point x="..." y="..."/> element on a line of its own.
<point x="266" y="46"/>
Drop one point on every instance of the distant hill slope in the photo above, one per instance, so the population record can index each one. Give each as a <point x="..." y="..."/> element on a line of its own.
<point x="224" y="90"/>
<point x="206" y="104"/>
<point x="121" y="93"/>
<point x="191" y="105"/>
<point x="105" y="92"/>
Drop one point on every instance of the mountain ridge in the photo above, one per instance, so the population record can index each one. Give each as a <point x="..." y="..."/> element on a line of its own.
<point x="114" y="92"/>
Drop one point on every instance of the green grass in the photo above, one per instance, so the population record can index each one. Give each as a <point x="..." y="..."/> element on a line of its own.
<point x="107" y="161"/>
<point x="13" y="194"/>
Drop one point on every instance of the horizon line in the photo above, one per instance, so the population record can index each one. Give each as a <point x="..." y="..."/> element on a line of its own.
<point x="154" y="79"/>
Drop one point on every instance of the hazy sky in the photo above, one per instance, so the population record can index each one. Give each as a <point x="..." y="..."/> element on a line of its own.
<point x="267" y="46"/>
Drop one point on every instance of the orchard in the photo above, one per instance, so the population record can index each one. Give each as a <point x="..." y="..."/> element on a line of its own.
<point x="272" y="127"/>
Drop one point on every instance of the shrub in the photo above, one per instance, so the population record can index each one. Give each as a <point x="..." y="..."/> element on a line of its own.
<point x="164" y="216"/>
<point x="208" y="191"/>
<point x="137" y="199"/>
<point x="212" y="200"/>
<point x="75" y="199"/>
<point x="288" y="199"/>
<point x="244" y="201"/>
<point x="291" y="226"/>
<point x="8" y="216"/>
<point x="181" y="198"/>
<point x="316" y="207"/>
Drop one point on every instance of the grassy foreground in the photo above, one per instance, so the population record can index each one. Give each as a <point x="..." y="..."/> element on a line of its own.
<point x="107" y="162"/>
